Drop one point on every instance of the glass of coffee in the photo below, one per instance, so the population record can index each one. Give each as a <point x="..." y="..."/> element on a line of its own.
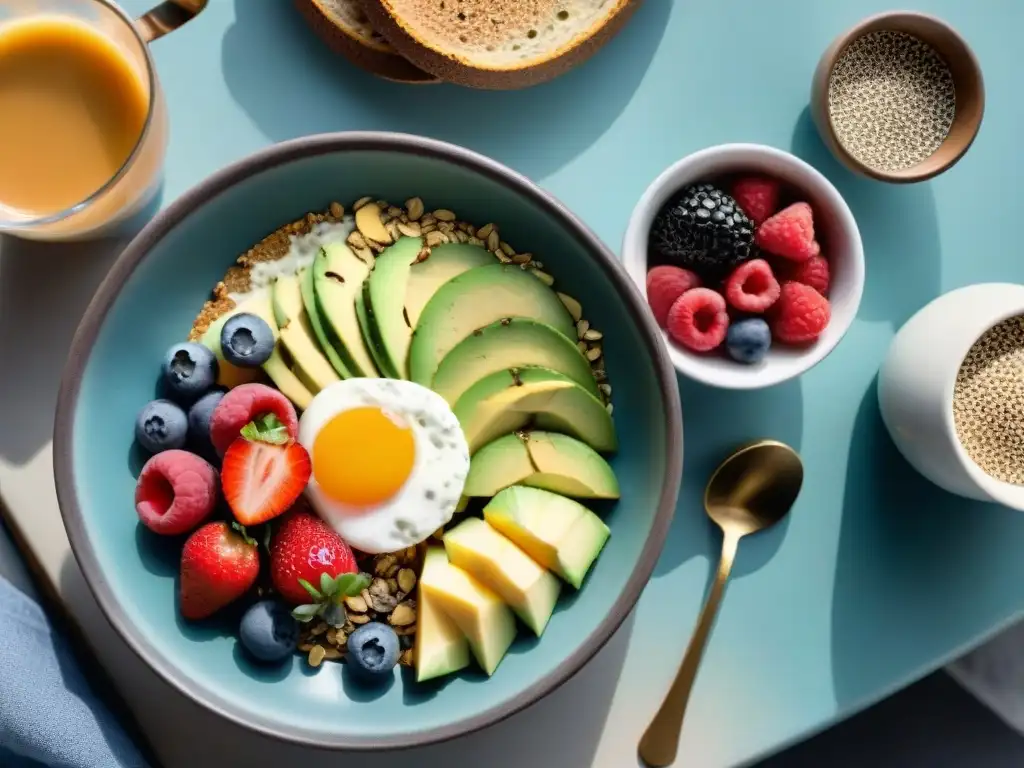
<point x="83" y="130"/>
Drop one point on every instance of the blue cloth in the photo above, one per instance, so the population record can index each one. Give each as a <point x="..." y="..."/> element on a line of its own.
<point x="48" y="714"/>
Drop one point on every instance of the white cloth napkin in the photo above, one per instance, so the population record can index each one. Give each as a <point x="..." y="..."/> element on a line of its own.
<point x="994" y="673"/>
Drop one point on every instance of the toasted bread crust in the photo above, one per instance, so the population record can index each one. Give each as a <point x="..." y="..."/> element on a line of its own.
<point x="377" y="60"/>
<point x="454" y="69"/>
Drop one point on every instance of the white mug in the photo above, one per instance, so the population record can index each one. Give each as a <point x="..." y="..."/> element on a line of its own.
<point x="915" y="387"/>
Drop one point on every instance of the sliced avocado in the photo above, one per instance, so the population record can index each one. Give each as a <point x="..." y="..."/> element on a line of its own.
<point x="560" y="534"/>
<point x="277" y="367"/>
<point x="440" y="647"/>
<point x="494" y="561"/>
<point x="338" y="276"/>
<point x="474" y="299"/>
<point x="287" y="382"/>
<point x="319" y="324"/>
<point x="547" y="460"/>
<point x="510" y="343"/>
<point x="498" y="465"/>
<point x="373" y="341"/>
<point x="297" y="336"/>
<point x="445" y="262"/>
<point x="570" y="467"/>
<point x="384" y="296"/>
<point x="507" y="401"/>
<point x="476" y="610"/>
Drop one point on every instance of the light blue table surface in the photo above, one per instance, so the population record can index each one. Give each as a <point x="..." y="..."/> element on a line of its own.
<point x="877" y="577"/>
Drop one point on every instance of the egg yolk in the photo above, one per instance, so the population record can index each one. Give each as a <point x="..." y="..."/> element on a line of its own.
<point x="363" y="456"/>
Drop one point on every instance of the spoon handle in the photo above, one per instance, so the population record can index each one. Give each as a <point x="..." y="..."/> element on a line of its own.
<point x="660" y="741"/>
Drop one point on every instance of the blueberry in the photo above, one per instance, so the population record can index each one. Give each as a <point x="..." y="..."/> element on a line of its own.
<point x="161" y="426"/>
<point x="268" y="631"/>
<point x="246" y="340"/>
<point x="748" y="340"/>
<point x="199" y="416"/>
<point x="373" y="651"/>
<point x="189" y="370"/>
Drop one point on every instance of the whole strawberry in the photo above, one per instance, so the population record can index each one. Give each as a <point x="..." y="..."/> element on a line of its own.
<point x="303" y="548"/>
<point x="218" y="565"/>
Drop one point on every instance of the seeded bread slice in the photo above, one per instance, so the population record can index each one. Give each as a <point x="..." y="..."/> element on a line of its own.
<point x="343" y="25"/>
<point x="499" y="44"/>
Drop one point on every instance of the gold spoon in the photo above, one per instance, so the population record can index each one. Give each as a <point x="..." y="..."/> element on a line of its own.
<point x="750" y="491"/>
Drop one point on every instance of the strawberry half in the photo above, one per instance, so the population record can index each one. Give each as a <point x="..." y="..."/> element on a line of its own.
<point x="218" y="566"/>
<point x="263" y="471"/>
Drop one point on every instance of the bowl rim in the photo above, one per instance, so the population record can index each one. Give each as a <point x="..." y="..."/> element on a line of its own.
<point x="222" y="181"/>
<point x="635" y="241"/>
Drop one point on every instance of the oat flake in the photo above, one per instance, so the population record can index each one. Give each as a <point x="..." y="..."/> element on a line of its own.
<point x="988" y="402"/>
<point x="891" y="99"/>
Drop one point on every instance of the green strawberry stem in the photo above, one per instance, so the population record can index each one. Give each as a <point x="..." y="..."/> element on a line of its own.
<point x="266" y="428"/>
<point x="313" y="591"/>
<point x="244" y="534"/>
<point x="328" y="601"/>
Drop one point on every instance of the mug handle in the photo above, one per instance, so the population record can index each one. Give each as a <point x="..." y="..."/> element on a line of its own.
<point x="167" y="17"/>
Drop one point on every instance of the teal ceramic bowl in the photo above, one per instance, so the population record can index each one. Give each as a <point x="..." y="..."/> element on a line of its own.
<point x="148" y="302"/>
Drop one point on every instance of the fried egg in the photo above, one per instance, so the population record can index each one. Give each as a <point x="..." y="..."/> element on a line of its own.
<point x="389" y="461"/>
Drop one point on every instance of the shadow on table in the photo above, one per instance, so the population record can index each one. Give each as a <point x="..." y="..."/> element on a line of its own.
<point x="920" y="573"/>
<point x="291" y="84"/>
<point x="44" y="289"/>
<point x="716" y="421"/>
<point x="898" y="224"/>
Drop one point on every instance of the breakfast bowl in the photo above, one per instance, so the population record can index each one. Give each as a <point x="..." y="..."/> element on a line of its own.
<point x="161" y="285"/>
<point x="764" y="297"/>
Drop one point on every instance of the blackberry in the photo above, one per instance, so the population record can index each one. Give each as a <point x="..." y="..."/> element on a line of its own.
<point x="703" y="229"/>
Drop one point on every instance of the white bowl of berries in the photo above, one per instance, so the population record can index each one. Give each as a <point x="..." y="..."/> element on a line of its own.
<point x="751" y="263"/>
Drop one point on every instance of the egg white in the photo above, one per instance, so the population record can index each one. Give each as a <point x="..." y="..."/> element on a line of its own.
<point x="428" y="498"/>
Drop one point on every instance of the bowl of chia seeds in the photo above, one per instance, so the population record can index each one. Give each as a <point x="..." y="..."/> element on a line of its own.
<point x="899" y="97"/>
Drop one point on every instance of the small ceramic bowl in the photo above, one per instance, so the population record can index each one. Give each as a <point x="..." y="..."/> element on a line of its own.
<point x="967" y="82"/>
<point x="148" y="302"/>
<point x="835" y="229"/>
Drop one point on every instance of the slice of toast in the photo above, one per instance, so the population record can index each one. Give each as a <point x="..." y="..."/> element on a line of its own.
<point x="344" y="26"/>
<point x="498" y="44"/>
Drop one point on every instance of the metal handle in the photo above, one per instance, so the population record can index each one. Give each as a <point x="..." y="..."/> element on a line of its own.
<point x="660" y="742"/>
<point x="167" y="17"/>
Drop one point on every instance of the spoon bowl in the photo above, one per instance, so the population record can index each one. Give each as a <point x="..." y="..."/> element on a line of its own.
<point x="754" y="488"/>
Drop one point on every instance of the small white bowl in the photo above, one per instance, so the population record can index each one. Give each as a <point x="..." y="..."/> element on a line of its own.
<point x="834" y="227"/>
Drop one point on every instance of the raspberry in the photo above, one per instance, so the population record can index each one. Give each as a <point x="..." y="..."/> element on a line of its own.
<point x="813" y="272"/>
<point x="244" y="403"/>
<point x="801" y="314"/>
<point x="698" y="319"/>
<point x="752" y="287"/>
<point x="790" y="233"/>
<point x="665" y="284"/>
<point x="757" y="196"/>
<point x="176" y="491"/>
